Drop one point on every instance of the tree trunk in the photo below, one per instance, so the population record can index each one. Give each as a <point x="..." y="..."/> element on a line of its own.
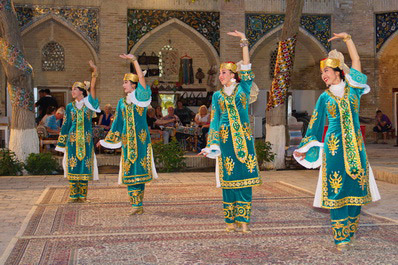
<point x="23" y="136"/>
<point x="276" y="117"/>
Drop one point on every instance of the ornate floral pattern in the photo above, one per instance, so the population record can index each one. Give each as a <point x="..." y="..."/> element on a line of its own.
<point x="386" y="25"/>
<point x="224" y="132"/>
<point x="331" y="109"/>
<point x="258" y="25"/>
<point x="85" y="20"/>
<point x="335" y="181"/>
<point x="229" y="165"/>
<point x="314" y="117"/>
<point x="251" y="163"/>
<point x="333" y="144"/>
<point x="143" y="135"/>
<point x="141" y="22"/>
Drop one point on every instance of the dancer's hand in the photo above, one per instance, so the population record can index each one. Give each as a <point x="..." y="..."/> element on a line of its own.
<point x="128" y="57"/>
<point x="92" y="66"/>
<point x="336" y="36"/>
<point x="300" y="155"/>
<point x="203" y="153"/>
<point x="98" y="144"/>
<point x="237" y="34"/>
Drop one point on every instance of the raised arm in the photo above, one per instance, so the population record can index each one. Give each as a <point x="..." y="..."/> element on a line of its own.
<point x="352" y="50"/>
<point x="133" y="59"/>
<point x="94" y="75"/>
<point x="244" y="43"/>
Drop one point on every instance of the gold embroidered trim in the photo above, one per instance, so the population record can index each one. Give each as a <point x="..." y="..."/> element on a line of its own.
<point x="333" y="144"/>
<point x="331" y="109"/>
<point x="224" y="133"/>
<point x="237" y="134"/>
<point x="352" y="159"/>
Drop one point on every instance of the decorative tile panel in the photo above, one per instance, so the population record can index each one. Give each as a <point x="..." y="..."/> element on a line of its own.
<point x="84" y="20"/>
<point x="141" y="22"/>
<point x="258" y="25"/>
<point x="386" y="25"/>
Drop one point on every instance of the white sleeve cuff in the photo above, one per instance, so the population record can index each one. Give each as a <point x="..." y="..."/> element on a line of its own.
<point x="351" y="82"/>
<point x="246" y="67"/>
<point x="111" y="146"/>
<point x="213" y="151"/>
<point x="60" y="149"/>
<point x="304" y="149"/>
<point x="141" y="104"/>
<point x="88" y="105"/>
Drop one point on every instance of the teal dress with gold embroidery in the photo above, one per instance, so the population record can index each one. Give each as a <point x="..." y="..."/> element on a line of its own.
<point x="230" y="137"/>
<point x="346" y="181"/>
<point x="76" y="141"/>
<point x="130" y="132"/>
<point x="344" y="164"/>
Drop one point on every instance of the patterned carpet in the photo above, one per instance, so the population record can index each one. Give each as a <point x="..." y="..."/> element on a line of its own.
<point x="183" y="224"/>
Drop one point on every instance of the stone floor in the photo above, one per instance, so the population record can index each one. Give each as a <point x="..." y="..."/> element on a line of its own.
<point x="19" y="194"/>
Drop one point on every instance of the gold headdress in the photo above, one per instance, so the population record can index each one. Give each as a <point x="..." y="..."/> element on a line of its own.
<point x="335" y="60"/>
<point x="131" y="77"/>
<point x="229" y="66"/>
<point x="83" y="85"/>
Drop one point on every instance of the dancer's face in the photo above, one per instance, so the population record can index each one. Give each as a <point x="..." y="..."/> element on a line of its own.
<point x="330" y="77"/>
<point x="76" y="92"/>
<point x="225" y="76"/>
<point x="128" y="86"/>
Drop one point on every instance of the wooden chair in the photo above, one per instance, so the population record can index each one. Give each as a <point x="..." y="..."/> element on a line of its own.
<point x="44" y="139"/>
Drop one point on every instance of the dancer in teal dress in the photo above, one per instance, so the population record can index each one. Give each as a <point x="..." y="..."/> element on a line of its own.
<point x="231" y="142"/>
<point x="130" y="132"/>
<point x="346" y="181"/>
<point x="75" y="139"/>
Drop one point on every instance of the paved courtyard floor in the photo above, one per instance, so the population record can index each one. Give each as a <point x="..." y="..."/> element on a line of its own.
<point x="19" y="194"/>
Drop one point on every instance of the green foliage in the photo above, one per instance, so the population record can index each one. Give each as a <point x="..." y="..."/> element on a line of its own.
<point x="169" y="157"/>
<point x="263" y="151"/>
<point x="9" y="163"/>
<point x="41" y="164"/>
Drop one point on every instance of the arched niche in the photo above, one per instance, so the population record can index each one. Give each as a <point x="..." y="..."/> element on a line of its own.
<point x="184" y="38"/>
<point x="306" y="65"/>
<point x="387" y="78"/>
<point x="78" y="51"/>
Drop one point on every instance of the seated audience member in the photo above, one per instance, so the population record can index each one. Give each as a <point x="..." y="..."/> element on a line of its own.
<point x="154" y="128"/>
<point x="53" y="122"/>
<point x="169" y="121"/>
<point x="105" y="120"/>
<point x="383" y="125"/>
<point x="50" y="111"/>
<point x="184" y="113"/>
<point x="158" y="112"/>
<point x="202" y="119"/>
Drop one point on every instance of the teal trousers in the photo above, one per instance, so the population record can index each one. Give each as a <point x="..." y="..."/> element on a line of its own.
<point x="344" y="223"/>
<point x="136" y="194"/>
<point x="237" y="205"/>
<point x="78" y="189"/>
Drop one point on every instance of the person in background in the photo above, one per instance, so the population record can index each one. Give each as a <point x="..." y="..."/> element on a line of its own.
<point x="383" y="125"/>
<point x="53" y="122"/>
<point x="45" y="101"/>
<point x="50" y="111"/>
<point x="184" y="113"/>
<point x="202" y="119"/>
<point x="105" y="120"/>
<point x="158" y="112"/>
<point x="169" y="121"/>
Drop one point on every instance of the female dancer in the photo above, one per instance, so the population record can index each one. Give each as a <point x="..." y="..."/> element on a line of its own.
<point x="230" y="140"/>
<point x="75" y="139"/>
<point x="346" y="181"/>
<point x="130" y="131"/>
